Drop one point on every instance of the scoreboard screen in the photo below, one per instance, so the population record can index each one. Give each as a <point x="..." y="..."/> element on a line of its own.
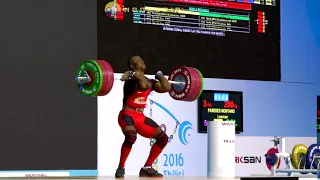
<point x="220" y="106"/>
<point x="245" y="34"/>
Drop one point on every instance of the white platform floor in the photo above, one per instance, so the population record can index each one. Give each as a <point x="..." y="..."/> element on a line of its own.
<point x="137" y="178"/>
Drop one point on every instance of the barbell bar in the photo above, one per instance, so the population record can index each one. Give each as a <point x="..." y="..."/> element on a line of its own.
<point x="96" y="78"/>
<point x="83" y="80"/>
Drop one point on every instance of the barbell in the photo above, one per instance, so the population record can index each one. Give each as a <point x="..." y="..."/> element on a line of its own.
<point x="96" y="78"/>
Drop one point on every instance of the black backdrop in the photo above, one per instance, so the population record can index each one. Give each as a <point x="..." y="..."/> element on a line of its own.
<point x="45" y="122"/>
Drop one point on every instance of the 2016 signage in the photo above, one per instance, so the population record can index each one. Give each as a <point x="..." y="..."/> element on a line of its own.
<point x="173" y="160"/>
<point x="173" y="165"/>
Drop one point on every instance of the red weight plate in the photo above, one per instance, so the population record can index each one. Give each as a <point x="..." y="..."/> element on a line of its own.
<point x="176" y="92"/>
<point x="200" y="83"/>
<point x="195" y="85"/>
<point x="108" y="77"/>
<point x="273" y="151"/>
<point x="104" y="78"/>
<point x="110" y="74"/>
<point x="91" y="75"/>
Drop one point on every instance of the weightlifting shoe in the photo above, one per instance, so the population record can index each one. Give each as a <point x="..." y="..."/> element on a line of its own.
<point x="149" y="172"/>
<point x="120" y="172"/>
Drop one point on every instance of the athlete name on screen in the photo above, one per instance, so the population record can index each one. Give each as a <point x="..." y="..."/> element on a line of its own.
<point x="229" y="107"/>
<point x="218" y="110"/>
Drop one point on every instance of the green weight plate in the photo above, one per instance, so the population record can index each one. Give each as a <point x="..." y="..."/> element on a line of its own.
<point x="95" y="73"/>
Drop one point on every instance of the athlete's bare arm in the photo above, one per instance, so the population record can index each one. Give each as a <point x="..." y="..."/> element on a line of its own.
<point x="163" y="85"/>
<point x="143" y="82"/>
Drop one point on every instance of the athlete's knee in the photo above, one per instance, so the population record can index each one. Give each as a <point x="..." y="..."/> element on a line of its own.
<point x="162" y="139"/>
<point x="130" y="137"/>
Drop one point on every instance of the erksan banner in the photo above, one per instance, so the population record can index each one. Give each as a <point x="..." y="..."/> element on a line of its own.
<point x="186" y="152"/>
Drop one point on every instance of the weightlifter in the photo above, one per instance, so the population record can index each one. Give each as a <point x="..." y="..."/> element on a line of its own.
<point x="131" y="119"/>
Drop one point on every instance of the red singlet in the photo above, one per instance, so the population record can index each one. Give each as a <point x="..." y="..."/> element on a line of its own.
<point x="133" y="97"/>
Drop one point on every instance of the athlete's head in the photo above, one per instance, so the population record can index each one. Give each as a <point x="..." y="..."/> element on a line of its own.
<point x="135" y="63"/>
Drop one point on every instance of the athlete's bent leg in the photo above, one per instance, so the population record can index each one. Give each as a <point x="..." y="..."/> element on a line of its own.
<point x="156" y="149"/>
<point x="130" y="134"/>
<point x="127" y="125"/>
<point x="151" y="129"/>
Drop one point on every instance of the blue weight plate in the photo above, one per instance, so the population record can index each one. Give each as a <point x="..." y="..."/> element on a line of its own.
<point x="312" y="151"/>
<point x="315" y="163"/>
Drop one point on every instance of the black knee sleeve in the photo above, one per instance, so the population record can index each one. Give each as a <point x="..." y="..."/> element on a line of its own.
<point x="162" y="140"/>
<point x="130" y="138"/>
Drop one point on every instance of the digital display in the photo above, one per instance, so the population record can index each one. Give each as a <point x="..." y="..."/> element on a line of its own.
<point x="205" y="34"/>
<point x="220" y="106"/>
<point x="201" y="20"/>
<point x="318" y="114"/>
